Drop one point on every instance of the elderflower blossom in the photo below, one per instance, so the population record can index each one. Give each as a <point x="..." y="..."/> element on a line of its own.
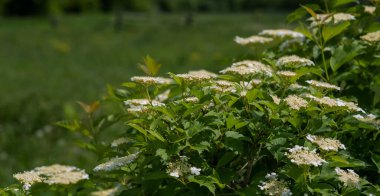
<point x="371" y="37"/>
<point x="294" y="60"/>
<point x="286" y="74"/>
<point x="327" y="18"/>
<point x="54" y="174"/>
<point x="248" y="67"/>
<point x="297" y="86"/>
<point x="338" y="103"/>
<point x="181" y="167"/>
<point x="143" y="102"/>
<point x="147" y="80"/>
<point x="348" y="177"/>
<point x="323" y="85"/>
<point x="369" y="9"/>
<point x="163" y="96"/>
<point x="195" y="171"/>
<point x="117" y="142"/>
<point x="276" y="99"/>
<point x="274" y="186"/>
<point x="370" y="118"/>
<point x="295" y="102"/>
<point x="327" y="144"/>
<point x="28" y="178"/>
<point x="116" y="163"/>
<point x="300" y="155"/>
<point x="281" y="33"/>
<point x="252" y="40"/>
<point x="197" y="76"/>
<point x="191" y="100"/>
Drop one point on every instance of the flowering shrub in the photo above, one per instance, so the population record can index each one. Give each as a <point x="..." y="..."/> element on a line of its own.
<point x="279" y="125"/>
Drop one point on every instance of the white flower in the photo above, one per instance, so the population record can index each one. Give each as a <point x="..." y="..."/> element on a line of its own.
<point x="327" y="144"/>
<point x="174" y="174"/>
<point x="147" y="80"/>
<point x="281" y="33"/>
<point x="371" y="37"/>
<point x="197" y="76"/>
<point x="274" y="186"/>
<point x="248" y="67"/>
<point x="295" y="102"/>
<point x="294" y="61"/>
<point x="303" y="156"/>
<point x="119" y="142"/>
<point x="369" y="9"/>
<point x="276" y="99"/>
<point x="370" y="118"/>
<point x="116" y="163"/>
<point x="195" y="171"/>
<point x="53" y="174"/>
<point x="348" y="177"/>
<point x="327" y="18"/>
<point x="252" y="40"/>
<point x="323" y="85"/>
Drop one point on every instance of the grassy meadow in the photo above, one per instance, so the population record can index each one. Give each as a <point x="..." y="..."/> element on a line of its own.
<point x="45" y="70"/>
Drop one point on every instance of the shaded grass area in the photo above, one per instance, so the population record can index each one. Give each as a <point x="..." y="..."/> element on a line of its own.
<point x="44" y="70"/>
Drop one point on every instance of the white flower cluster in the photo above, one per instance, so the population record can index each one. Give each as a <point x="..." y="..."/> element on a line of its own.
<point x="252" y="40"/>
<point x="116" y="163"/>
<point x="276" y="99"/>
<point x="191" y="100"/>
<point x="53" y="174"/>
<point x="286" y="74"/>
<point x="197" y="76"/>
<point x="322" y="85"/>
<point x="293" y="61"/>
<point x="141" y="105"/>
<point x="303" y="156"/>
<point x="371" y="37"/>
<point x="331" y="18"/>
<point x="248" y="67"/>
<point x="274" y="186"/>
<point x="117" y="142"/>
<point x="369" y="9"/>
<point x="348" y="177"/>
<point x="370" y="118"/>
<point x="337" y="103"/>
<point x="147" y="80"/>
<point x="297" y="86"/>
<point x="295" y="102"/>
<point x="281" y="33"/>
<point x="181" y="168"/>
<point x="327" y="144"/>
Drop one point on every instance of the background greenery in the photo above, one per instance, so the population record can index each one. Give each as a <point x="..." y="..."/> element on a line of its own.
<point x="45" y="70"/>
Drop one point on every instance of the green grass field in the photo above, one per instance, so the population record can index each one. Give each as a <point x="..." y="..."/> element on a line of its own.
<point x="45" y="70"/>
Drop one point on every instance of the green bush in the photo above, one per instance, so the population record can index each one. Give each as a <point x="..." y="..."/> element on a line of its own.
<point x="280" y="126"/>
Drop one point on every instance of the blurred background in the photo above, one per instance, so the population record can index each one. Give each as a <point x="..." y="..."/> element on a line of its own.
<point x="56" y="52"/>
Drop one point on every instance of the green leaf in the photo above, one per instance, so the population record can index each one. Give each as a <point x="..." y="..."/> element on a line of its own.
<point x="376" y="160"/>
<point x="343" y="54"/>
<point x="303" y="29"/>
<point x="138" y="128"/>
<point x="157" y="135"/>
<point x="203" y="181"/>
<point x="226" y="158"/>
<point x="150" y="66"/>
<point x="129" y="84"/>
<point x="300" y="13"/>
<point x="234" y="134"/>
<point x="330" y="31"/>
<point x="310" y="11"/>
<point x="162" y="153"/>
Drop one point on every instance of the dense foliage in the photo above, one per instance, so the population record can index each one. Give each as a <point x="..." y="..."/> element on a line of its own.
<point x="286" y="123"/>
